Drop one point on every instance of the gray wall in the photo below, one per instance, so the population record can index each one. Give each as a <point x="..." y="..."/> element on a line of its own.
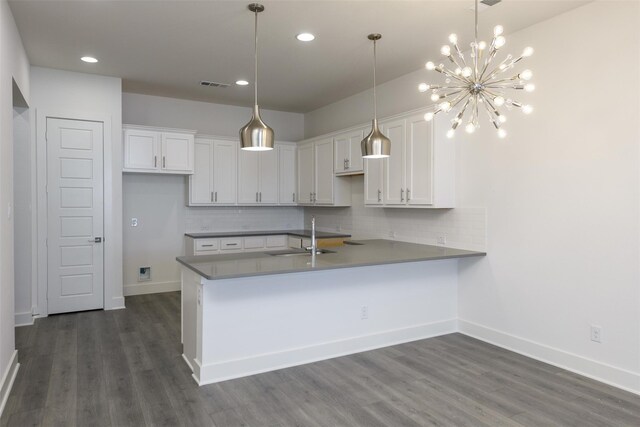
<point x="206" y="118"/>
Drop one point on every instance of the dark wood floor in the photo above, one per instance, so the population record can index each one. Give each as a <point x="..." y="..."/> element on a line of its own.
<point x="124" y="368"/>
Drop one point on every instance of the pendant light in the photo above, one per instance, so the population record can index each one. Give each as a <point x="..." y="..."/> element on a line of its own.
<point x="256" y="135"/>
<point x="375" y="145"/>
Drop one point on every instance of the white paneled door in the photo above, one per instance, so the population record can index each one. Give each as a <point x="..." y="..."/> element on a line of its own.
<point x="75" y="215"/>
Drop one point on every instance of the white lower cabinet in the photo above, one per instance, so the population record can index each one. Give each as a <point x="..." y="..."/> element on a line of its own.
<point x="317" y="183"/>
<point x="228" y="245"/>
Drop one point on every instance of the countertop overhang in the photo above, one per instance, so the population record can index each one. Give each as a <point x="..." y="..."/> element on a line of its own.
<point x="369" y="253"/>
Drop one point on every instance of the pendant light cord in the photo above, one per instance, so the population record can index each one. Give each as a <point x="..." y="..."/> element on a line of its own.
<point x="255" y="84"/>
<point x="476" y="17"/>
<point x="375" y="102"/>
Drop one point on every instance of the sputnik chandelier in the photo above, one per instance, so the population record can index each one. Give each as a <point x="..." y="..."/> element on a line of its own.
<point x="478" y="85"/>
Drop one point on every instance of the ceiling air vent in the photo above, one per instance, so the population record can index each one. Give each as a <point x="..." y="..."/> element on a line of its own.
<point x="213" y="84"/>
<point x="490" y="2"/>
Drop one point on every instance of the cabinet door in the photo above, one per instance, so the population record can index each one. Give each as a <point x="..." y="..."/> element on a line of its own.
<point x="341" y="149"/>
<point x="287" y="175"/>
<point x="323" y="153"/>
<point x="177" y="152"/>
<point x="394" y="183"/>
<point x="373" y="181"/>
<point x="355" y="152"/>
<point x="201" y="182"/>
<point x="268" y="182"/>
<point x="305" y="173"/>
<point x="141" y="150"/>
<point x="248" y="165"/>
<point x="225" y="169"/>
<point x="419" y="161"/>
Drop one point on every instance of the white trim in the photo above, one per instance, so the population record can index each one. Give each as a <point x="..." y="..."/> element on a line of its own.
<point x="230" y="369"/>
<point x="8" y="380"/>
<point x="117" y="303"/>
<point x="23" y="319"/>
<point x="614" y="376"/>
<point x="150" y="288"/>
<point x="126" y="126"/>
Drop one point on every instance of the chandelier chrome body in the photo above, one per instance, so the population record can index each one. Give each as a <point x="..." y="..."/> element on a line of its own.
<point x="478" y="86"/>
<point x="256" y="135"/>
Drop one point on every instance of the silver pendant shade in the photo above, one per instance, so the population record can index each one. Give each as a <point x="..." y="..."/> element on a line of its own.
<point x="375" y="145"/>
<point x="256" y="135"/>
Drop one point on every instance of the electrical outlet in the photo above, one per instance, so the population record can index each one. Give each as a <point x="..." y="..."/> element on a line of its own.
<point x="364" y="313"/>
<point x="596" y="334"/>
<point x="441" y="239"/>
<point x="144" y="274"/>
<point x="134" y="222"/>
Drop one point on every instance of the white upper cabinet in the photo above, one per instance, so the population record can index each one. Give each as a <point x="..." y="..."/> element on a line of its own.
<point x="258" y="177"/>
<point x="151" y="150"/>
<point x="420" y="171"/>
<point x="348" y="153"/>
<point x="373" y="182"/>
<point x="317" y="184"/>
<point x="214" y="180"/>
<point x="287" y="174"/>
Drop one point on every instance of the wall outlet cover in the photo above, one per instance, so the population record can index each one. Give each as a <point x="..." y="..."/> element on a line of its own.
<point x="144" y="274"/>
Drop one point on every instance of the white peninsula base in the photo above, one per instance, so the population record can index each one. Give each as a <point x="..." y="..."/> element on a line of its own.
<point x="243" y="326"/>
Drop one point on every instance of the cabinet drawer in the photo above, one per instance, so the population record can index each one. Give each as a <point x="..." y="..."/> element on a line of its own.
<point x="276" y="241"/>
<point x="254" y="243"/>
<point x="231" y="243"/>
<point x="202" y="245"/>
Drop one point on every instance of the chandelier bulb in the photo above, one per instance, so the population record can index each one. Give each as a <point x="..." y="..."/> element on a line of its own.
<point x="499" y="101"/>
<point x="527" y="52"/>
<point x="445" y="106"/>
<point x="502" y="118"/>
<point x="445" y="50"/>
<point x="435" y="97"/>
<point x="527" y="109"/>
<point x="529" y="87"/>
<point x="430" y="66"/>
<point x="498" y="30"/>
<point x="450" y="133"/>
<point x="428" y="117"/>
<point x="500" y="41"/>
<point x="482" y="45"/>
<point x="423" y="87"/>
<point x="470" y="128"/>
<point x="453" y="38"/>
<point x="502" y="133"/>
<point x="526" y="75"/>
<point x="466" y="72"/>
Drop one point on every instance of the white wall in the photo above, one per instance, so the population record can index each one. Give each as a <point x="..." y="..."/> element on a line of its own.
<point x="14" y="66"/>
<point x="159" y="201"/>
<point x="207" y="118"/>
<point x="93" y="97"/>
<point x="561" y="194"/>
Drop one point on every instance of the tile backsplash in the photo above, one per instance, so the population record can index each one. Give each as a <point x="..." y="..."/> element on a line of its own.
<point x="462" y="227"/>
<point x="242" y="218"/>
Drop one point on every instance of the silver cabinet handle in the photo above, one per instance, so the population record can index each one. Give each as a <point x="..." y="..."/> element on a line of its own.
<point x="207" y="246"/>
<point x="164" y="162"/>
<point x="408" y="193"/>
<point x="310" y="197"/>
<point x="260" y="197"/>
<point x="347" y="160"/>
<point x="293" y="197"/>
<point x="256" y="196"/>
<point x="402" y="195"/>
<point x="215" y="196"/>
<point x="379" y="195"/>
<point x="212" y="196"/>
<point x="155" y="161"/>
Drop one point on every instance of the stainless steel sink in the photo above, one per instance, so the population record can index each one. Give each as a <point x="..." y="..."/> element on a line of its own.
<point x="301" y="253"/>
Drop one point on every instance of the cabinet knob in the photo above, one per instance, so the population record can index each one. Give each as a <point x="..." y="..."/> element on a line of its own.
<point x="379" y="195"/>
<point x="408" y="194"/>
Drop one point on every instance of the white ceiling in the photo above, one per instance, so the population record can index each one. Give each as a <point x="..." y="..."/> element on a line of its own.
<point x="166" y="47"/>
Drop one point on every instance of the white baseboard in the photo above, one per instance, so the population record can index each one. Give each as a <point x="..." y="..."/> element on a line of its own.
<point x="23" y="319"/>
<point x="616" y="377"/>
<point x="8" y="379"/>
<point x="150" y="288"/>
<point x="230" y="369"/>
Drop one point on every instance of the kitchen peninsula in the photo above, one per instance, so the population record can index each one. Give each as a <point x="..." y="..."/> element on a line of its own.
<point x="246" y="313"/>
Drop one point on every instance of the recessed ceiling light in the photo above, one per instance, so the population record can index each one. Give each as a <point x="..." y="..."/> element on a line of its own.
<point x="242" y="82"/>
<point x="305" y="37"/>
<point x="89" y="59"/>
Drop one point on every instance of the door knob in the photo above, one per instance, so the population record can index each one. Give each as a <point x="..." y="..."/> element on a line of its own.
<point x="96" y="240"/>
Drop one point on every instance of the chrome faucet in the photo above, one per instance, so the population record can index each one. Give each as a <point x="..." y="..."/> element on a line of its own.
<point x="314" y="245"/>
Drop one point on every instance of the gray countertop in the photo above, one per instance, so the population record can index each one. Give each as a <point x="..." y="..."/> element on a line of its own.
<point x="297" y="233"/>
<point x="371" y="252"/>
